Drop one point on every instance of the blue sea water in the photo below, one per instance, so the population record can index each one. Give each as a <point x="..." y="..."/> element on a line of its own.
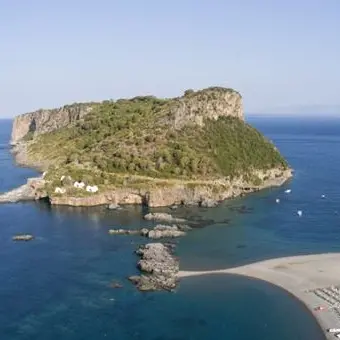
<point x="58" y="286"/>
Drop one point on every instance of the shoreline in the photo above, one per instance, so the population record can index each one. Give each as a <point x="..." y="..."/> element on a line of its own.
<point x="171" y="192"/>
<point x="175" y="194"/>
<point x="305" y="277"/>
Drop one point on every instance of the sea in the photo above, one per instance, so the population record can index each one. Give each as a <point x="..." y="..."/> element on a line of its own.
<point x="59" y="286"/>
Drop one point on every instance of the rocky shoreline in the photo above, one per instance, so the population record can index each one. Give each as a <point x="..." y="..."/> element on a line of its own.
<point x="177" y="193"/>
<point x="181" y="193"/>
<point x="26" y="192"/>
<point x="206" y="194"/>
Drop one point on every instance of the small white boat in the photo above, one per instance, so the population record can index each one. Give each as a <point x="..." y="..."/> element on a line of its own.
<point x="299" y="212"/>
<point x="333" y="330"/>
<point x="277" y="200"/>
<point x="288" y="191"/>
<point x="323" y="196"/>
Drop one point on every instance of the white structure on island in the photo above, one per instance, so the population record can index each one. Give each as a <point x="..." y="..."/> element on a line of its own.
<point x="93" y="188"/>
<point x="79" y="185"/>
<point x="60" y="190"/>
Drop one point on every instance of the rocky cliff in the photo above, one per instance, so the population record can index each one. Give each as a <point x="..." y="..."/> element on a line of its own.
<point x="212" y="103"/>
<point x="34" y="123"/>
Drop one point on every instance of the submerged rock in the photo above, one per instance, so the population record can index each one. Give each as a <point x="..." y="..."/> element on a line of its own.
<point x="116" y="284"/>
<point x="114" y="206"/>
<point x="160" y="268"/>
<point x="184" y="227"/>
<point x="134" y="279"/>
<point x="123" y="232"/>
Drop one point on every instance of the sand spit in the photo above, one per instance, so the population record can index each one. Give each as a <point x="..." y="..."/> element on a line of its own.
<point x="314" y="279"/>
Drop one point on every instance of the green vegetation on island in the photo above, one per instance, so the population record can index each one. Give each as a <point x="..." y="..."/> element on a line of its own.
<point x="140" y="136"/>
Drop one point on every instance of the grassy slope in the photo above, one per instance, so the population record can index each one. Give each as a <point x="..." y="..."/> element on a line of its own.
<point x="136" y="137"/>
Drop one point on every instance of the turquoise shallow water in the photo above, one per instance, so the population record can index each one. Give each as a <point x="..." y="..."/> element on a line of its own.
<point x="57" y="287"/>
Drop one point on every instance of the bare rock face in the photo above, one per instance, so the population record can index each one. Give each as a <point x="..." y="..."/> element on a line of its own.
<point x="192" y="108"/>
<point x="42" y="121"/>
<point x="210" y="103"/>
<point x="209" y="203"/>
<point x="25" y="192"/>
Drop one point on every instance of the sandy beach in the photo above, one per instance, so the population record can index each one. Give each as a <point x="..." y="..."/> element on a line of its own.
<point x="314" y="279"/>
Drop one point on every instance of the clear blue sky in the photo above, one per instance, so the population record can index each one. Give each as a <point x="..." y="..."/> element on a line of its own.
<point x="276" y="53"/>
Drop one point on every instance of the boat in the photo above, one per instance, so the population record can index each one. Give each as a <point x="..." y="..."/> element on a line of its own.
<point x="333" y="330"/>
<point x="24" y="237"/>
<point x="288" y="191"/>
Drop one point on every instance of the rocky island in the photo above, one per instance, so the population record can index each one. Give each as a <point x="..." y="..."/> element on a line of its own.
<point x="195" y="150"/>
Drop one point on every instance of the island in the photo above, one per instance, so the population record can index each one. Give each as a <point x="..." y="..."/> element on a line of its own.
<point x="195" y="149"/>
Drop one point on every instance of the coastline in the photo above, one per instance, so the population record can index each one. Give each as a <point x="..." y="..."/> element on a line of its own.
<point x="156" y="192"/>
<point x="173" y="192"/>
<point x="302" y="276"/>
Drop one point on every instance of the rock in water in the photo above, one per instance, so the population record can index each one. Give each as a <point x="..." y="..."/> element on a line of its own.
<point x="116" y="284"/>
<point x="161" y="231"/>
<point x="114" y="206"/>
<point x="209" y="203"/>
<point x="159" y="266"/>
<point x="123" y="232"/>
<point x="134" y="279"/>
<point x="163" y="217"/>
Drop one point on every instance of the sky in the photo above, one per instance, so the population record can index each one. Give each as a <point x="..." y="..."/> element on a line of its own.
<point x="275" y="53"/>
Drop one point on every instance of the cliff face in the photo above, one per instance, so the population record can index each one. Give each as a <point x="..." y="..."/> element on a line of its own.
<point x="211" y="103"/>
<point x="43" y="121"/>
<point x="192" y="108"/>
